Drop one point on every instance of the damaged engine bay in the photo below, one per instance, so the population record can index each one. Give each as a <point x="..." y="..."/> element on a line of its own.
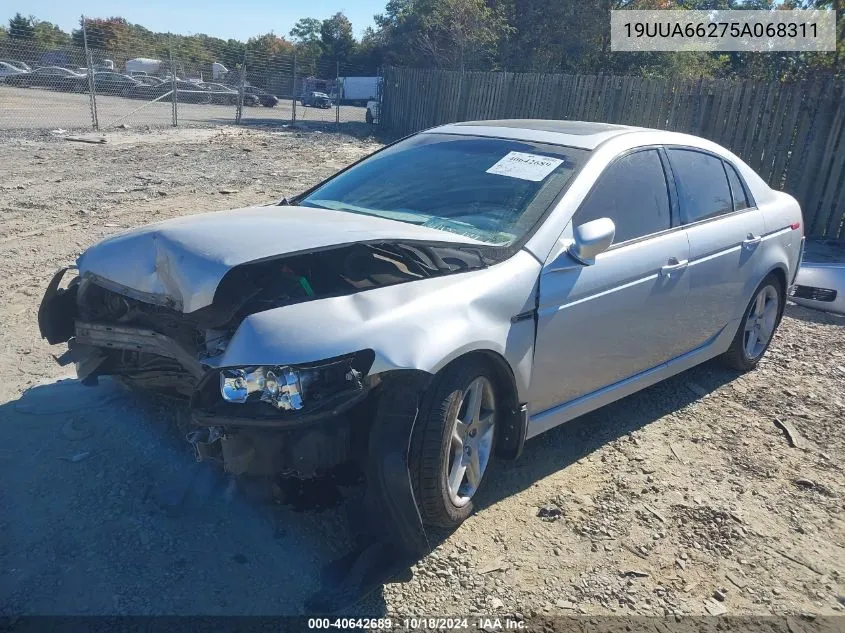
<point x="150" y="345"/>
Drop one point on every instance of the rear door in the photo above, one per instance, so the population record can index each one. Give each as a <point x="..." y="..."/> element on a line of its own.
<point x="725" y="232"/>
<point x="624" y="314"/>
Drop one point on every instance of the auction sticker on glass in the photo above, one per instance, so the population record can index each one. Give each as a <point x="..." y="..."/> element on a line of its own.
<point x="757" y="31"/>
<point x="524" y="166"/>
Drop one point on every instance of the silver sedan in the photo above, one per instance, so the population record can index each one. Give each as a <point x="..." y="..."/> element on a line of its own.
<point x="439" y="302"/>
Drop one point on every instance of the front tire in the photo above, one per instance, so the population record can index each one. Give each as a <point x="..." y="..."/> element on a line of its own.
<point x="758" y="325"/>
<point x="453" y="442"/>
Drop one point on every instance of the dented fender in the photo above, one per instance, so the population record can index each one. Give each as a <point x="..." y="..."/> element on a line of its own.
<point x="421" y="325"/>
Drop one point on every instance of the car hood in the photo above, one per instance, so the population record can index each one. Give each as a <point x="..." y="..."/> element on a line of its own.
<point x="180" y="262"/>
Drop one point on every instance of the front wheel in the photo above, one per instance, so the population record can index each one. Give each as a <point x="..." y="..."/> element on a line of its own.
<point x="757" y="327"/>
<point x="453" y="442"/>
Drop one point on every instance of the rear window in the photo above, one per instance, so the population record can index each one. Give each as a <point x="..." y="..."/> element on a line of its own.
<point x="489" y="189"/>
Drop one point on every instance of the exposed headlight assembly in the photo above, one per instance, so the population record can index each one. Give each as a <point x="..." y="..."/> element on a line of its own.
<point x="289" y="387"/>
<point x="280" y="386"/>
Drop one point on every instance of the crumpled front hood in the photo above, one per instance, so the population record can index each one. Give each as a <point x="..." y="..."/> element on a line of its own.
<point x="183" y="260"/>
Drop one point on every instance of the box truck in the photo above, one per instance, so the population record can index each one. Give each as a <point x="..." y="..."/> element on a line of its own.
<point x="359" y="90"/>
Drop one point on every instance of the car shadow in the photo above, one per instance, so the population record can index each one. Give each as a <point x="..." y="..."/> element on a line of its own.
<point x="107" y="511"/>
<point x="558" y="448"/>
<point x="810" y="315"/>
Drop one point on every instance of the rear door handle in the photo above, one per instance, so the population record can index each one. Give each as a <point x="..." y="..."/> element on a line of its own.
<point x="751" y="240"/>
<point x="673" y="266"/>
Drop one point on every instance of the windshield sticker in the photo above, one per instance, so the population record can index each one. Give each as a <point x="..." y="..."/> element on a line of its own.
<point x="525" y="166"/>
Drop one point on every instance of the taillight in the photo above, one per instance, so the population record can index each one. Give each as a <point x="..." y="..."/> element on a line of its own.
<point x="795" y="226"/>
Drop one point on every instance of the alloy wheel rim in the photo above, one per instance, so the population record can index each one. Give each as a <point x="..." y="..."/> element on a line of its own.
<point x="760" y="322"/>
<point x="471" y="441"/>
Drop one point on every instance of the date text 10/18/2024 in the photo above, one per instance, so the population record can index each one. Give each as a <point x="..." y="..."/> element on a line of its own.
<point x="418" y="624"/>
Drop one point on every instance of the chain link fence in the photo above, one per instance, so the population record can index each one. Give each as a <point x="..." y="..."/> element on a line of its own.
<point x="99" y="83"/>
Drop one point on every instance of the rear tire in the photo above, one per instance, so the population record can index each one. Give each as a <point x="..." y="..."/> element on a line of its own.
<point x="369" y="117"/>
<point x="453" y="442"/>
<point x="758" y="326"/>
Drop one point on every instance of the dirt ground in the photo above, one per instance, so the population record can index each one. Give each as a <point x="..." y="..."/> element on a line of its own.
<point x="686" y="498"/>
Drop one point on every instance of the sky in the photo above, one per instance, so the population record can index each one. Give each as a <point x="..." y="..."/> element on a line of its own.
<point x="219" y="18"/>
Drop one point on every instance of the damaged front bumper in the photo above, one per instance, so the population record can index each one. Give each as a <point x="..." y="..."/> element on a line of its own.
<point x="252" y="433"/>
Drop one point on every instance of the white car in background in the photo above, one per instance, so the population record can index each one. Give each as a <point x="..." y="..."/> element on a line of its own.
<point x="373" y="112"/>
<point x="7" y="69"/>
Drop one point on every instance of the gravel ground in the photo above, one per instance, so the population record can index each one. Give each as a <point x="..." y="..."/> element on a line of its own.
<point x="687" y="498"/>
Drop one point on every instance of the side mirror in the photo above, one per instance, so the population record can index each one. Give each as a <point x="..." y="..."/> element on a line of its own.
<point x="592" y="238"/>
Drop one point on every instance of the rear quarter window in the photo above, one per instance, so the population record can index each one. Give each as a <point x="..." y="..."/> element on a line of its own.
<point x="703" y="189"/>
<point x="739" y="191"/>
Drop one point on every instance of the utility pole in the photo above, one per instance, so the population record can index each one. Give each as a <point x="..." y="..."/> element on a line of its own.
<point x="293" y="91"/>
<point x="173" y="92"/>
<point x="92" y="99"/>
<point x="240" y="109"/>
<point x="337" y="92"/>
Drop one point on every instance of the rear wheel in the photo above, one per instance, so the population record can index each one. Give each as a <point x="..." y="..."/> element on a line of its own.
<point x="369" y="117"/>
<point x="453" y="442"/>
<point x="758" y="326"/>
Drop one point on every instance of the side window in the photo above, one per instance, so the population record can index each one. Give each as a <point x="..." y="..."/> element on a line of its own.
<point x="702" y="185"/>
<point x="737" y="190"/>
<point x="633" y="193"/>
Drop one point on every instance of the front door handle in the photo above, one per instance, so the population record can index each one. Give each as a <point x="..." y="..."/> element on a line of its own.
<point x="673" y="266"/>
<point x="751" y="240"/>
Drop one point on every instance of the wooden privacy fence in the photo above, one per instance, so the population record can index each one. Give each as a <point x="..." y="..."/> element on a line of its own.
<point x="793" y="135"/>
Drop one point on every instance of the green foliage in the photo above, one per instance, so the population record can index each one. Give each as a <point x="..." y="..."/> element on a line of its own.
<point x="21" y="27"/>
<point x="336" y="37"/>
<point x="49" y="35"/>
<point x="306" y="30"/>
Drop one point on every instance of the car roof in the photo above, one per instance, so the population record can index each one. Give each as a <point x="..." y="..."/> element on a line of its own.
<point x="581" y="134"/>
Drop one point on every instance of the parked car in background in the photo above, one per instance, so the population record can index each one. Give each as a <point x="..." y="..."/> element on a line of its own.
<point x="228" y="95"/>
<point x="54" y="77"/>
<point x="186" y="92"/>
<point x="440" y="302"/>
<point x="264" y="98"/>
<point x="148" y="80"/>
<point x="316" y="100"/>
<point x="113" y="83"/>
<point x="17" y="64"/>
<point x="7" y="70"/>
<point x="820" y="283"/>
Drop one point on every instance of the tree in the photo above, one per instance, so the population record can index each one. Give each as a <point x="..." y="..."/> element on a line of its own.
<point x="21" y="27"/>
<point x="336" y="38"/>
<point x="306" y="37"/>
<point x="110" y="34"/>
<point x="306" y="30"/>
<point x="457" y="33"/>
<point x="49" y="35"/>
<point x="442" y="33"/>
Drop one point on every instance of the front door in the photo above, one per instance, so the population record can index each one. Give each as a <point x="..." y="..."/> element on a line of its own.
<point x="625" y="313"/>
